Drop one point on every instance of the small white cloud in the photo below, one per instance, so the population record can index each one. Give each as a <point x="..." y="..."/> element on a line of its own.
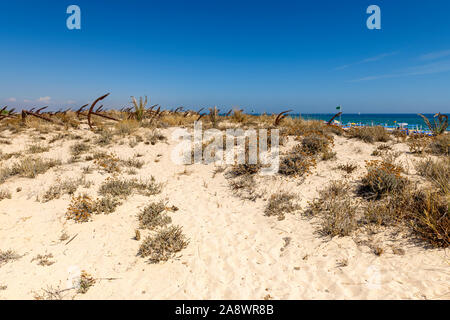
<point x="71" y="102"/>
<point x="27" y="101"/>
<point x="44" y="99"/>
<point x="12" y="99"/>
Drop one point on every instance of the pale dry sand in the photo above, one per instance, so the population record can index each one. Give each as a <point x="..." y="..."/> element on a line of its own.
<point x="235" y="252"/>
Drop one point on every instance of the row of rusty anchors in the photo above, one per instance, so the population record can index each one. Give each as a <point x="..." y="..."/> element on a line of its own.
<point x="91" y="111"/>
<point x="185" y="113"/>
<point x="4" y="113"/>
<point x="36" y="114"/>
<point x="60" y="111"/>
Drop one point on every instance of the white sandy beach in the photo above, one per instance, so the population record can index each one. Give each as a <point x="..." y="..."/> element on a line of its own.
<point x="234" y="250"/>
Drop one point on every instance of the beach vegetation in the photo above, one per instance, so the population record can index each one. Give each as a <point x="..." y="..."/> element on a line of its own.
<point x="383" y="177"/>
<point x="139" y="108"/>
<point x="281" y="203"/>
<point x="348" y="167"/>
<point x="155" y="136"/>
<point x="123" y="188"/>
<point x="369" y="134"/>
<point x="440" y="145"/>
<point x="60" y="188"/>
<point x="163" y="245"/>
<point x="37" y="148"/>
<point x="8" y="256"/>
<point x="336" y="209"/>
<point x="296" y="163"/>
<point x="29" y="168"/>
<point x="439" y="124"/>
<point x="85" y="283"/>
<point x="153" y="216"/>
<point x="78" y="148"/>
<point x="126" y="127"/>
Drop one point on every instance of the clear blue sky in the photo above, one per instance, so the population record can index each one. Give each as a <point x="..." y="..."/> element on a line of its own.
<point x="267" y="56"/>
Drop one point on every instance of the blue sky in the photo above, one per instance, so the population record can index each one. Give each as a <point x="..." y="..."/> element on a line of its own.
<point x="260" y="55"/>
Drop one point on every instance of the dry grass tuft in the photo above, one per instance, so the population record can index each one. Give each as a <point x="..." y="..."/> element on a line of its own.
<point x="44" y="260"/>
<point x="328" y="155"/>
<point x="382" y="178"/>
<point x="281" y="203"/>
<point x="336" y="210"/>
<point x="348" y="167"/>
<point x="244" y="169"/>
<point x="133" y="163"/>
<point x="391" y="210"/>
<point x="104" y="138"/>
<point x="440" y="145"/>
<point x="124" y="188"/>
<point x="7" y="256"/>
<point x="430" y="219"/>
<point x="424" y="212"/>
<point x="36" y="148"/>
<point x="238" y="116"/>
<point x="296" y="163"/>
<point x="244" y="187"/>
<point x="163" y="245"/>
<point x="418" y="143"/>
<point x="369" y="134"/>
<point x="152" y="216"/>
<point x="49" y="293"/>
<point x="438" y="172"/>
<point x="127" y="127"/>
<point x="28" y="167"/>
<point x="106" y="205"/>
<point x="313" y="144"/>
<point x="78" y="148"/>
<point x="107" y="162"/>
<point x="60" y="188"/>
<point x="154" y="137"/>
<point x="384" y="147"/>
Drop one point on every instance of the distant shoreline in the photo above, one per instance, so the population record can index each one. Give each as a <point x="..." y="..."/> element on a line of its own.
<point x="389" y="120"/>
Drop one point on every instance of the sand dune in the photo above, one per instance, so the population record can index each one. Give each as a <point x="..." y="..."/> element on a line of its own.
<point x="234" y="250"/>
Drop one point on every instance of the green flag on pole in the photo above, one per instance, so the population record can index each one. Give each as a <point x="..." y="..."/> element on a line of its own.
<point x="338" y="108"/>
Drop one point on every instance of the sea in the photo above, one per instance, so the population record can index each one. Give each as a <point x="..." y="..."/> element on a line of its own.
<point x="389" y="120"/>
